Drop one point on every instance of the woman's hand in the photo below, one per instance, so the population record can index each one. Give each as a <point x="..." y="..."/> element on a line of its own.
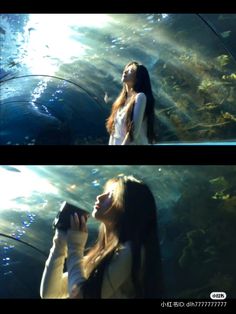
<point x="78" y="223"/>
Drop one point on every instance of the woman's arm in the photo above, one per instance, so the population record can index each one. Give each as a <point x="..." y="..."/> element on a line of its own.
<point x="76" y="238"/>
<point x="138" y="115"/>
<point x="54" y="281"/>
<point x="76" y="244"/>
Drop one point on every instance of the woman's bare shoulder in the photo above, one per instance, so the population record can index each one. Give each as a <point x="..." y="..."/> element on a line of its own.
<point x="140" y="97"/>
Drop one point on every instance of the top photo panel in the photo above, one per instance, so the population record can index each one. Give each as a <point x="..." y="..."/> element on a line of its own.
<point x="118" y="79"/>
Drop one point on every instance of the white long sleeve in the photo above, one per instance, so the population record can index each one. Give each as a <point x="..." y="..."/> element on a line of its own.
<point x="55" y="283"/>
<point x="116" y="283"/>
<point x="76" y="243"/>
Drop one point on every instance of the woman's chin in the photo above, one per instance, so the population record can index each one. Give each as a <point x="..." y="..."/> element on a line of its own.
<point x="94" y="213"/>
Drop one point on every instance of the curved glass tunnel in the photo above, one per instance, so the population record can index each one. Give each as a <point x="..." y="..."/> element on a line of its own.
<point x="60" y="74"/>
<point x="197" y="218"/>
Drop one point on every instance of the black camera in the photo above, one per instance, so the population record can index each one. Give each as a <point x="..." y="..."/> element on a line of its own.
<point x="62" y="220"/>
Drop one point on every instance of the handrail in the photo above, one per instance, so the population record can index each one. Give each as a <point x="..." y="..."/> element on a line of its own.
<point x="23" y="242"/>
<point x="216" y="33"/>
<point x="56" y="77"/>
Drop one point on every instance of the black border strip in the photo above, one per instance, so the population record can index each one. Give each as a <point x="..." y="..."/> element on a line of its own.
<point x="118" y="155"/>
<point x="121" y="6"/>
<point x="120" y="304"/>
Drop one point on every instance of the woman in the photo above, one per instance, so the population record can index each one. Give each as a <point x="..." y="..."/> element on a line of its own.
<point x="124" y="262"/>
<point x="132" y="117"/>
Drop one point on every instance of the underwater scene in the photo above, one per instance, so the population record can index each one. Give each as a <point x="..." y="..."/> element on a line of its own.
<point x="196" y="217"/>
<point x="60" y="74"/>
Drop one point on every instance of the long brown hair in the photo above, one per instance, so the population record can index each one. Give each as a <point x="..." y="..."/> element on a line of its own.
<point x="142" y="85"/>
<point x="136" y="222"/>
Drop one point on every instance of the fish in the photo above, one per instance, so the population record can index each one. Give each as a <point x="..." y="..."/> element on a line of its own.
<point x="225" y="34"/>
<point x="12" y="64"/>
<point x="10" y="168"/>
<point x="2" y="31"/>
<point x="31" y="29"/>
<point x="107" y="98"/>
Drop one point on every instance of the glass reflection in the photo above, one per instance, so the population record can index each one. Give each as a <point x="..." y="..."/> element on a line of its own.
<point x="16" y="259"/>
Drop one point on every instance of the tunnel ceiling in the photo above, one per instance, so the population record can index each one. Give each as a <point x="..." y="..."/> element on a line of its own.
<point x="64" y="71"/>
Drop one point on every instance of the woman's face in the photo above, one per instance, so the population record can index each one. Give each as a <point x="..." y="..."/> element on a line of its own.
<point x="103" y="204"/>
<point x="129" y="74"/>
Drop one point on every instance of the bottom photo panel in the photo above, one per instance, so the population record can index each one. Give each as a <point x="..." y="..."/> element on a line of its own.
<point x="118" y="232"/>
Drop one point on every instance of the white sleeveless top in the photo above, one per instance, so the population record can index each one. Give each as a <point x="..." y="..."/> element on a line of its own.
<point x="140" y="124"/>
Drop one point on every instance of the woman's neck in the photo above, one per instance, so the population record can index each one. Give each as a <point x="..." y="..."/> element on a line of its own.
<point x="129" y="90"/>
<point x="108" y="231"/>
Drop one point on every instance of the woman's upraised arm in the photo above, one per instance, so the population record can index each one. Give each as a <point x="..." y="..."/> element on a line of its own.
<point x="54" y="281"/>
<point x="76" y="244"/>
